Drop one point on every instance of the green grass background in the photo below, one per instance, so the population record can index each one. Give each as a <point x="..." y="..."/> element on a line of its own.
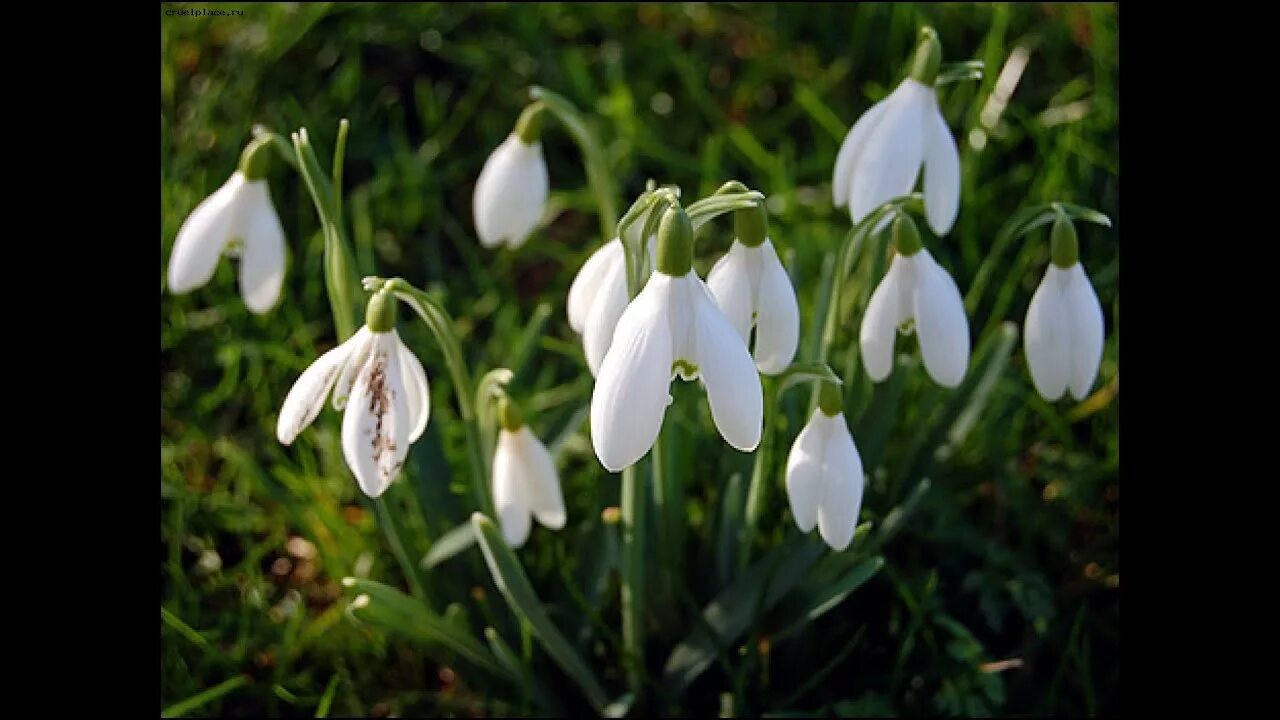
<point x="1013" y="554"/>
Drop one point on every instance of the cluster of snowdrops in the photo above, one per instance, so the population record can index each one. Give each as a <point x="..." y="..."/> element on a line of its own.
<point x="645" y="316"/>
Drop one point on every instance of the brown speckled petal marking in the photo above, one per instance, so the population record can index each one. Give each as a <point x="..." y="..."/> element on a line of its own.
<point x="376" y="426"/>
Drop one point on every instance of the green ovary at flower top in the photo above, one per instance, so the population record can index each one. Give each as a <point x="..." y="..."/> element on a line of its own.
<point x="382" y="389"/>
<point x="673" y="326"/>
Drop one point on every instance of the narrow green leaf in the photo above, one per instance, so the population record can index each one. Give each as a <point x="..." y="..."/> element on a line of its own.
<point x="511" y="580"/>
<point x="200" y="699"/>
<point x="326" y="699"/>
<point x="456" y="540"/>
<point x="728" y="526"/>
<point x="816" y="596"/>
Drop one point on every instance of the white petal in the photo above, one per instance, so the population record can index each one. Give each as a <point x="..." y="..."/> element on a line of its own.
<point x="631" y="391"/>
<point x="509" y="500"/>
<point x="587" y="283"/>
<point x="417" y="389"/>
<point x="854" y="141"/>
<point x="842" y="483"/>
<point x="941" y="324"/>
<point x="1046" y="337"/>
<point x="542" y="483"/>
<point x="262" y="260"/>
<point x="804" y="471"/>
<point x="203" y="236"/>
<point x="361" y="345"/>
<point x="1086" y="332"/>
<point x="731" y="284"/>
<point x="888" y="307"/>
<point x="306" y="397"/>
<point x="727" y="370"/>
<point x="777" y="315"/>
<point x="890" y="161"/>
<point x="941" y="170"/>
<point x="375" y="427"/>
<point x="510" y="193"/>
<point x="606" y="310"/>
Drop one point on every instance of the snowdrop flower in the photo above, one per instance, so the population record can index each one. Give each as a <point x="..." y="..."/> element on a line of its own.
<point x="881" y="156"/>
<point x="238" y="219"/>
<point x="525" y="483"/>
<point x="512" y="189"/>
<point x="381" y="387"/>
<point x="1064" y="328"/>
<point x="597" y="298"/>
<point x="673" y="326"/>
<point x="917" y="295"/>
<point x="824" y="474"/>
<point x="752" y="288"/>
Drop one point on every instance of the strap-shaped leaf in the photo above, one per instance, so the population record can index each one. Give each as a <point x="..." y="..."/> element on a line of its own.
<point x="456" y="540"/>
<point x="514" y="585"/>
<point x="816" y="596"/>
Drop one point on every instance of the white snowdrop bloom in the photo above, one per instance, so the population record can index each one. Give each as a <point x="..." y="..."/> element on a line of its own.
<point x="1063" y="336"/>
<point x="525" y="483"/>
<point x="511" y="192"/>
<point x="597" y="298"/>
<point x="672" y="327"/>
<point x="753" y="290"/>
<point x="237" y="220"/>
<point x="918" y="295"/>
<point x="883" y="153"/>
<point x="382" y="389"/>
<point x="824" y="476"/>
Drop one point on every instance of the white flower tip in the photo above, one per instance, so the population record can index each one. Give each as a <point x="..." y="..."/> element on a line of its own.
<point x="554" y="520"/>
<point x="838" y="538"/>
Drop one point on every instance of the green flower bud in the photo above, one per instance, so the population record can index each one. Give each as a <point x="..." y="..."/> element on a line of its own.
<point x="830" y="400"/>
<point x="928" y="57"/>
<point x="509" y="415"/>
<point x="254" y="160"/>
<point x="1064" y="247"/>
<point x="906" y="238"/>
<point x="675" y="242"/>
<point x="380" y="313"/>
<point x="529" y="126"/>
<point x="751" y="225"/>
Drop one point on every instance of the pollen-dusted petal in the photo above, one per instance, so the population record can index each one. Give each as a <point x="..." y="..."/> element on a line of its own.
<point x="417" y="389"/>
<point x="841" y="487"/>
<point x="509" y="497"/>
<point x="885" y="311"/>
<point x="375" y="426"/>
<point x="306" y="397"/>
<point x="606" y="310"/>
<point x="777" y="315"/>
<point x="732" y="285"/>
<point x="1087" y="331"/>
<point x="203" y="236"/>
<point x="941" y="324"/>
<point x="1046" y="337"/>
<point x="361" y="343"/>
<point x="941" y="170"/>
<point x="890" y="161"/>
<point x="510" y="193"/>
<point x="262" y="261"/>
<point x="542" y="482"/>
<point x="854" y="141"/>
<point x="631" y="391"/>
<point x="804" y="471"/>
<point x="587" y="283"/>
<point x="726" y="369"/>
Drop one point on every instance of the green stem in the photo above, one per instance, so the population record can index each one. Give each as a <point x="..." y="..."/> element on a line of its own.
<point x="339" y="270"/>
<point x="397" y="548"/>
<point x="760" y="475"/>
<point x="339" y="156"/>
<point x="441" y="326"/>
<point x="633" y="537"/>
<point x="599" y="175"/>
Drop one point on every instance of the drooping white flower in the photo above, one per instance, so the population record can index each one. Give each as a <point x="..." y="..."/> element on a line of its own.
<point x="824" y="479"/>
<point x="525" y="485"/>
<point x="597" y="298"/>
<point x="511" y="192"/>
<point x="918" y="295"/>
<point x="883" y="153"/>
<point x="1064" y="334"/>
<point x="672" y="327"/>
<point x="382" y="389"/>
<point x="238" y="219"/>
<point x="753" y="289"/>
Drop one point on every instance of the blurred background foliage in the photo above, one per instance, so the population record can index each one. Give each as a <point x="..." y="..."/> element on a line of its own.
<point x="1000" y="596"/>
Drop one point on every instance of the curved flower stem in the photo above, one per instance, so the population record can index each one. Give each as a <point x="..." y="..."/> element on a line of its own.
<point x="599" y="176"/>
<point x="397" y="548"/>
<point x="441" y="326"/>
